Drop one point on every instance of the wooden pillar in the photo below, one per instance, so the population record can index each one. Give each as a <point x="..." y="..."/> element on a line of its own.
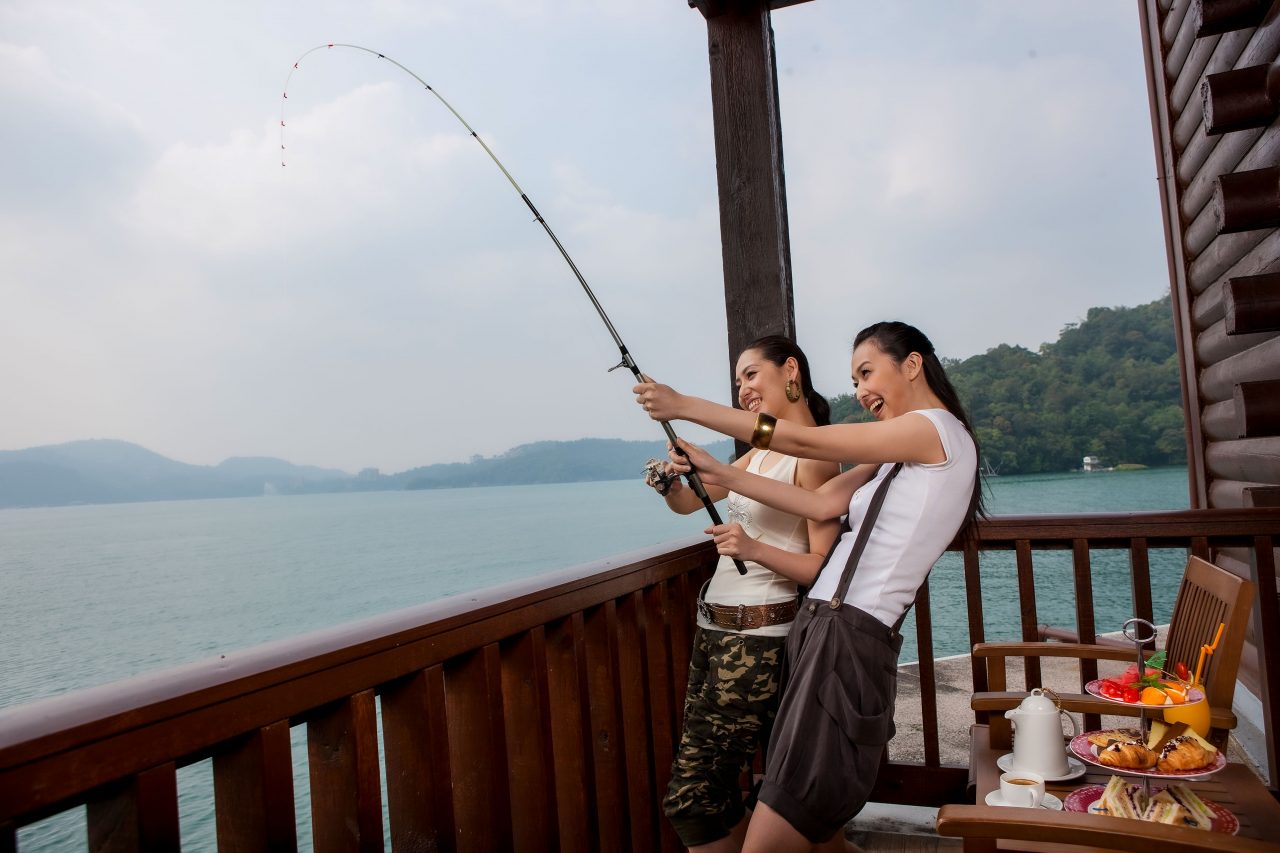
<point x="753" y="202"/>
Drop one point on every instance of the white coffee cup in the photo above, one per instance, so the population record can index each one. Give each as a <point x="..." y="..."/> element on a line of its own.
<point x="1022" y="788"/>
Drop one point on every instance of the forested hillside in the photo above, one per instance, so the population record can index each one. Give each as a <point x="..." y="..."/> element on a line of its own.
<point x="1108" y="387"/>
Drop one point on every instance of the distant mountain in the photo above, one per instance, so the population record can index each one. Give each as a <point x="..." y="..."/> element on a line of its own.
<point x="109" y="471"/>
<point x="584" y="460"/>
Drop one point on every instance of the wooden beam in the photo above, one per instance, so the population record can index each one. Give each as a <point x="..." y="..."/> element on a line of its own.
<point x="1262" y="496"/>
<point x="1241" y="99"/>
<point x="1258" y="408"/>
<point x="1252" y="304"/>
<point x="1245" y="201"/>
<point x="712" y="8"/>
<point x="1210" y="17"/>
<point x="755" y="245"/>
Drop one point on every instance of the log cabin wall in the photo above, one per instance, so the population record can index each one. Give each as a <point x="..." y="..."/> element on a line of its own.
<point x="1214" y="82"/>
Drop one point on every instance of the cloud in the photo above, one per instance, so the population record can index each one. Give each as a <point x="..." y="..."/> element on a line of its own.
<point x="60" y="145"/>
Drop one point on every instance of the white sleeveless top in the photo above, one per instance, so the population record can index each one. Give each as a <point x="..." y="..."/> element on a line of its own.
<point x="770" y="526"/>
<point x="922" y="510"/>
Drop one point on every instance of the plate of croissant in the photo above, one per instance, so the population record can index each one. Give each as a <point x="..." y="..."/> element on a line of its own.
<point x="1169" y="751"/>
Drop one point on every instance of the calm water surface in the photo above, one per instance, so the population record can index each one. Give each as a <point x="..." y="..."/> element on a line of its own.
<point x="92" y="594"/>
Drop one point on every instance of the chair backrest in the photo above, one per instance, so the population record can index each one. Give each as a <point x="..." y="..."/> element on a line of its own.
<point x="1210" y="596"/>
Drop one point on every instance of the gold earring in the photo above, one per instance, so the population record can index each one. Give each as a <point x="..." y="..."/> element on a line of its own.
<point x="793" y="391"/>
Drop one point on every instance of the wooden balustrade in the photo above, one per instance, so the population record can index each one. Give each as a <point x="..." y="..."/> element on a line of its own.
<point x="540" y="715"/>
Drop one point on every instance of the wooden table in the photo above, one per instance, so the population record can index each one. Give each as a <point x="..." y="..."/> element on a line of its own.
<point x="989" y="828"/>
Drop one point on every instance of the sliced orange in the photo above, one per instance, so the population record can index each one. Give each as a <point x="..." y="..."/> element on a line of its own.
<point x="1152" y="696"/>
<point x="1176" y="692"/>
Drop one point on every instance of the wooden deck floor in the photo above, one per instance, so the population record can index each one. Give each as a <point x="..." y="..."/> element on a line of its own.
<point x="895" y="842"/>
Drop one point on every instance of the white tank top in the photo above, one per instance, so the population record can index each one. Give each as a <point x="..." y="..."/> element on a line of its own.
<point x="923" y="508"/>
<point x="770" y="526"/>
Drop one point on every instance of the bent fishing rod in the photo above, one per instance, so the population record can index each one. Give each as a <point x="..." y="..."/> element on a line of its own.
<point x="695" y="482"/>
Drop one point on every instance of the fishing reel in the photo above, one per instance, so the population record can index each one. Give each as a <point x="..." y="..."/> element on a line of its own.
<point x="657" y="478"/>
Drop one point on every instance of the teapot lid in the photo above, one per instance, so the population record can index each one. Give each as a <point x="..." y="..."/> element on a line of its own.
<point x="1038" y="702"/>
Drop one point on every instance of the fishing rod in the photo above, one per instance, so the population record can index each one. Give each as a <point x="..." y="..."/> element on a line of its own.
<point x="695" y="482"/>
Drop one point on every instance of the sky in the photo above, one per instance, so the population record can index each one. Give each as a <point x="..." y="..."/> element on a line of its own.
<point x="983" y="170"/>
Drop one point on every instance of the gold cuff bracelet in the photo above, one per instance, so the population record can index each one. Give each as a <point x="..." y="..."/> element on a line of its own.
<point x="763" y="433"/>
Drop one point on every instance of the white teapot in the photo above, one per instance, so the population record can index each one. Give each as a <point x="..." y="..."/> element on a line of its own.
<point x="1037" y="735"/>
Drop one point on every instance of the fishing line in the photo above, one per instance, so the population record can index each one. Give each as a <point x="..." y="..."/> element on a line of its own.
<point x="695" y="482"/>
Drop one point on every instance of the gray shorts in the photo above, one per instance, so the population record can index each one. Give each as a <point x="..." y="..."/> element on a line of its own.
<point x="839" y="682"/>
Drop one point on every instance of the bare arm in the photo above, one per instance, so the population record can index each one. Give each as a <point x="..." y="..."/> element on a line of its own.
<point x="910" y="438"/>
<point x="830" y="500"/>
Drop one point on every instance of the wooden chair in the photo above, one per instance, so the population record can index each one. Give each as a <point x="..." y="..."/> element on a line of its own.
<point x="1209" y="596"/>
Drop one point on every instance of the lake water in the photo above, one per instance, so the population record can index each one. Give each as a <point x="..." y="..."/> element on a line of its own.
<point x="92" y="594"/>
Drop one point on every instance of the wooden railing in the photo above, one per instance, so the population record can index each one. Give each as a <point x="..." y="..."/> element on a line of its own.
<point x="539" y="715"/>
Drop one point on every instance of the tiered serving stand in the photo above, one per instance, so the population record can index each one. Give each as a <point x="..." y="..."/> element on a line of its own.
<point x="1141" y="632"/>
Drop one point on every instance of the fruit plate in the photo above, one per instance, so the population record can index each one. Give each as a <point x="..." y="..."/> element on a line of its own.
<point x="1085" y="751"/>
<point x="1086" y="800"/>
<point x="1094" y="688"/>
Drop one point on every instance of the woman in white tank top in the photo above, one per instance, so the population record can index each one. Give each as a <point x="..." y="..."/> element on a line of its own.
<point x="743" y="619"/>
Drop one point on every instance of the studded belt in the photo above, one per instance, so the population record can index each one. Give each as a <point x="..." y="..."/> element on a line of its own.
<point x="741" y="617"/>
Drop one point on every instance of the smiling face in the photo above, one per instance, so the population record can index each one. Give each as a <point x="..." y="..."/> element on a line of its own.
<point x="879" y="382"/>
<point x="761" y="383"/>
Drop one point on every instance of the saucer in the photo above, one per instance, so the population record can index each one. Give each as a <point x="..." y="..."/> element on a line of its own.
<point x="1049" y="802"/>
<point x="1075" y="767"/>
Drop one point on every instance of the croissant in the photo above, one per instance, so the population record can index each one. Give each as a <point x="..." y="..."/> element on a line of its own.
<point x="1182" y="753"/>
<point x="1129" y="756"/>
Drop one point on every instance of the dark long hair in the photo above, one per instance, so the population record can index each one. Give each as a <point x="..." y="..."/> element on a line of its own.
<point x="898" y="340"/>
<point x="777" y="349"/>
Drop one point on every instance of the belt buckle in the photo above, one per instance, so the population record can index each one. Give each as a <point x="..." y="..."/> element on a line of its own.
<point x="740" y="617"/>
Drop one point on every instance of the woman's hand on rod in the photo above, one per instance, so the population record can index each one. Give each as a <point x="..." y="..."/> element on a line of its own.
<point x="712" y="471"/>
<point x="660" y="402"/>
<point x="732" y="541"/>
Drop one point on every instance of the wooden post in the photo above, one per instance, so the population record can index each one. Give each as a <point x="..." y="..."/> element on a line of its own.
<point x="141" y="814"/>
<point x="253" y="793"/>
<point x="754" y="242"/>
<point x="346" y="794"/>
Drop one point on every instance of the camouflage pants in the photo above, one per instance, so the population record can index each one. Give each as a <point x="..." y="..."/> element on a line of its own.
<point x="728" y="709"/>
